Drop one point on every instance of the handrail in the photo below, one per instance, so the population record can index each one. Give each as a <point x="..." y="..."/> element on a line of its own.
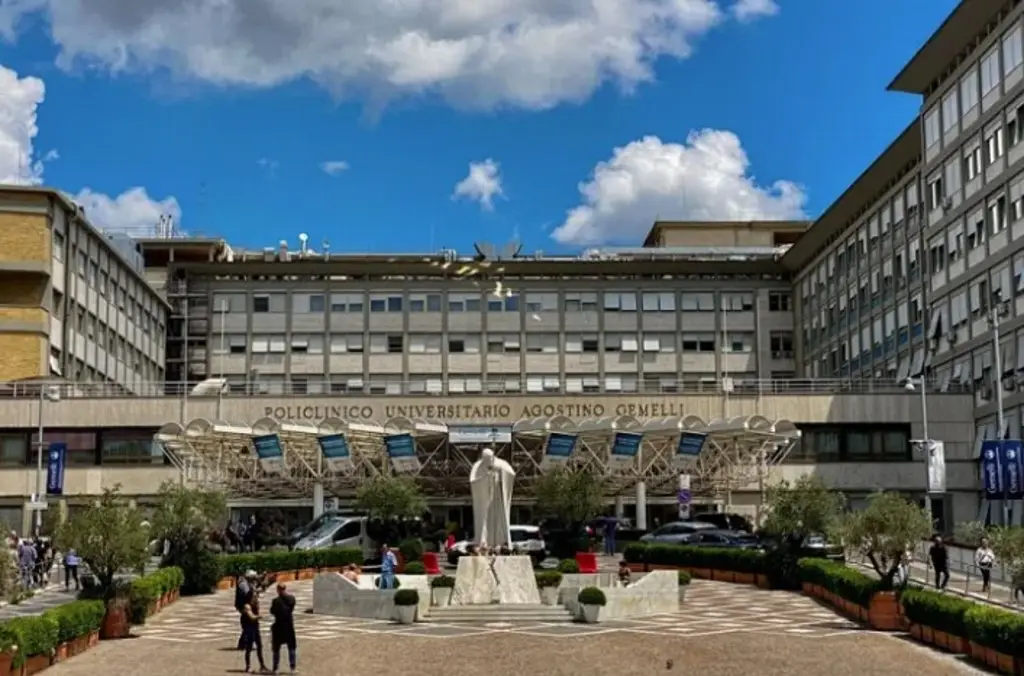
<point x="468" y="385"/>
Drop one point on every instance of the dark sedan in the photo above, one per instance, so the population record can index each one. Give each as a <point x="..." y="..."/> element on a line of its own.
<point x="725" y="538"/>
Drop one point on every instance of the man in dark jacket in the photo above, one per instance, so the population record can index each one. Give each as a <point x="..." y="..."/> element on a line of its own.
<point x="245" y="585"/>
<point x="282" y="632"/>
<point x="939" y="556"/>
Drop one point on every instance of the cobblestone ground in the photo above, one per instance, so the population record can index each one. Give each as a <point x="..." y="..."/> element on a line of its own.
<point x="721" y="629"/>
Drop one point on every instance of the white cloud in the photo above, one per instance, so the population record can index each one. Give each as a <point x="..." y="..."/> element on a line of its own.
<point x="479" y="53"/>
<point x="482" y="184"/>
<point x="132" y="212"/>
<point x="20" y="98"/>
<point x="334" y="167"/>
<point x="704" y="178"/>
<point x="749" y="10"/>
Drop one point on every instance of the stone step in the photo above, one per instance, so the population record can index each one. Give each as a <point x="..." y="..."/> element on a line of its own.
<point x="500" y="613"/>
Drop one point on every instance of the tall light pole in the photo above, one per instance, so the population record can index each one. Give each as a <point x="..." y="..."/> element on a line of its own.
<point x="996" y="312"/>
<point x="921" y="383"/>
<point x="46" y="393"/>
<point x="223" y="357"/>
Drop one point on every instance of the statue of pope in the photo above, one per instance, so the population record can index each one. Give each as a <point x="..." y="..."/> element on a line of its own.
<point x="490" y="482"/>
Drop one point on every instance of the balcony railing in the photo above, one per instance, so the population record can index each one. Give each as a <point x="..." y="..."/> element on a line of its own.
<point x="456" y="386"/>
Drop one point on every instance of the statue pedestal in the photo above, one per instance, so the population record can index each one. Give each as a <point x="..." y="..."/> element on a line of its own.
<point x="483" y="580"/>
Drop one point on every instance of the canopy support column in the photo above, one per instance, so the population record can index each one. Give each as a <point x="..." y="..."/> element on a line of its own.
<point x="318" y="499"/>
<point x="641" y="505"/>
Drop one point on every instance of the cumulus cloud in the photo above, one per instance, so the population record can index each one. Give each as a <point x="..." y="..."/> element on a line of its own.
<point x="482" y="184"/>
<point x="704" y="178"/>
<point x="20" y="164"/>
<point x="334" y="167"/>
<point x="749" y="10"/>
<point x="477" y="53"/>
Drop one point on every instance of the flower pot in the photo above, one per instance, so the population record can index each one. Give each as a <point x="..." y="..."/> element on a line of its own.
<point x="807" y="588"/>
<point x="915" y="631"/>
<point x="975" y="651"/>
<point x="77" y="646"/>
<point x="591" y="614"/>
<point x="36" y="663"/>
<point x="549" y="596"/>
<point x="306" y="574"/>
<point x="723" y="576"/>
<point x="927" y="634"/>
<point x="991" y="657"/>
<point x="5" y="663"/>
<point x="441" y="596"/>
<point x="1004" y="663"/>
<point x="62" y="653"/>
<point x="702" y="573"/>
<point x="941" y="639"/>
<point x="956" y="644"/>
<point x="286" y="576"/>
<point x="884" y="612"/>
<point x="745" y="578"/>
<point x="682" y="593"/>
<point x="762" y="581"/>
<point x="226" y="583"/>
<point x="405" y="614"/>
<point x="116" y="623"/>
<point x="93" y="640"/>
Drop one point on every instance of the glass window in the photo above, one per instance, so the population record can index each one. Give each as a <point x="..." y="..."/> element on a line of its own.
<point x="990" y="72"/>
<point x="131" y="447"/>
<point x="13" y="449"/>
<point x="81" y="445"/>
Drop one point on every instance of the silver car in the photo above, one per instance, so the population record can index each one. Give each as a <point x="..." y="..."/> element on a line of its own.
<point x="677" y="533"/>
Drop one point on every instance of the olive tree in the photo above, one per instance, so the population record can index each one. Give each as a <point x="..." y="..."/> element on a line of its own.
<point x="885" y="530"/>
<point x="804" y="507"/>
<point x="391" y="497"/>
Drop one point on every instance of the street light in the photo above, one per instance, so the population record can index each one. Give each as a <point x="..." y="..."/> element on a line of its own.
<point x="996" y="312"/>
<point x="46" y="393"/>
<point x="926" y="444"/>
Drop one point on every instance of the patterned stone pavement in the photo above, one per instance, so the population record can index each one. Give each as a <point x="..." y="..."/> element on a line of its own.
<point x="710" y="609"/>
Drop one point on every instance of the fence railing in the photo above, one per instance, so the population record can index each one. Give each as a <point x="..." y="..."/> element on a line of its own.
<point x="457" y="385"/>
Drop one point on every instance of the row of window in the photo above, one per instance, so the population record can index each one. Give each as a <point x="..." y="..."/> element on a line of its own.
<point x="531" y="302"/>
<point x="84" y="447"/>
<point x="874" y="442"/>
<point x="963" y="97"/>
<point x="541" y="343"/>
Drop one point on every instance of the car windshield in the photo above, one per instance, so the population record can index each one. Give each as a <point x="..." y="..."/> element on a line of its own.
<point x="521" y="535"/>
<point x="814" y="541"/>
<point x="326" y="528"/>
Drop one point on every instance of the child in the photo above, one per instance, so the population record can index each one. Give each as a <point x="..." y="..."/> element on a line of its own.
<point x="624" y="573"/>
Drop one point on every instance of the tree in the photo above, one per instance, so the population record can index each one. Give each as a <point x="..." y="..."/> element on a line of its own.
<point x="803" y="508"/>
<point x="1007" y="543"/>
<point x="570" y="498"/>
<point x="186" y="515"/>
<point x="885" y="530"/>
<point x="109" y="535"/>
<point x="391" y="497"/>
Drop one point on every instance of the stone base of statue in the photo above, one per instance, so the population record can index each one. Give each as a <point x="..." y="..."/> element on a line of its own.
<point x="484" y="580"/>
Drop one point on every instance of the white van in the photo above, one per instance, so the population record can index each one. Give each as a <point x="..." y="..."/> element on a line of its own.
<point x="340" y="530"/>
<point x="525" y="540"/>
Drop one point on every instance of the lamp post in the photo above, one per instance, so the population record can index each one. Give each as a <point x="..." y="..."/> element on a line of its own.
<point x="995" y="313"/>
<point x="46" y="393"/>
<point x="921" y="383"/>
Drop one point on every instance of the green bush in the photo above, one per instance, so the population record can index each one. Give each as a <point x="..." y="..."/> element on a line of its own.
<point x="146" y="590"/>
<point x="731" y="559"/>
<point x="415" y="568"/>
<point x="77" y="619"/>
<point x="840" y="579"/>
<point x="684" y="578"/>
<point x="995" y="628"/>
<point x="568" y="566"/>
<point x="235" y="565"/>
<point x="443" y="582"/>
<point x="200" y="568"/>
<point x="549" y="578"/>
<point x="34" y="636"/>
<point x="411" y="549"/>
<point x="407" y="597"/>
<point x="591" y="596"/>
<point x="935" y="610"/>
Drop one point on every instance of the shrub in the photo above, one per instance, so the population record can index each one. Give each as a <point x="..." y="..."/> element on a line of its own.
<point x="77" y="619"/>
<point x="938" y="611"/>
<point x="415" y="568"/>
<point x="718" y="558"/>
<point x="407" y="597"/>
<point x="235" y="565"/>
<point x="395" y="582"/>
<point x="591" y="596"/>
<point x="684" y="578"/>
<point x="34" y="636"/>
<point x="839" y="579"/>
<point x="568" y="567"/>
<point x="549" y="578"/>
<point x="443" y="582"/>
<point x="997" y="629"/>
<point x="411" y="549"/>
<point x="200" y="568"/>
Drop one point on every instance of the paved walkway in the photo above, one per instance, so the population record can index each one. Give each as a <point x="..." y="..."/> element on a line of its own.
<point x="962" y="584"/>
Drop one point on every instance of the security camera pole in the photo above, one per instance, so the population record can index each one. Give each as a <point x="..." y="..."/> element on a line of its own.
<point x="994" y="315"/>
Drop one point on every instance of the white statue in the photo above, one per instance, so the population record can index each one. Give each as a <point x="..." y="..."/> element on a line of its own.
<point x="490" y="481"/>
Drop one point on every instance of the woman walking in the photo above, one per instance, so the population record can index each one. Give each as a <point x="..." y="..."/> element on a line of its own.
<point x="251" y="631"/>
<point x="985" y="560"/>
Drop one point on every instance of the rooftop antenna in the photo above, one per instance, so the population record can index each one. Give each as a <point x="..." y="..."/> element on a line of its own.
<point x="325" y="246"/>
<point x="303" y="244"/>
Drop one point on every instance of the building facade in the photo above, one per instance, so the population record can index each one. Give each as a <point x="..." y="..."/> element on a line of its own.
<point x="73" y="301"/>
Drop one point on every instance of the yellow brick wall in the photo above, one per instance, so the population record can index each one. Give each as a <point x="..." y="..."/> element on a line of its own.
<point x="23" y="314"/>
<point x="25" y="237"/>
<point x="22" y="355"/>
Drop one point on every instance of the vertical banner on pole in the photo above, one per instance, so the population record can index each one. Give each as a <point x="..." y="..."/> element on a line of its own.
<point x="58" y="453"/>
<point x="991" y="476"/>
<point x="1010" y="460"/>
<point x="270" y="454"/>
<point x="936" y="458"/>
<point x="684" y="497"/>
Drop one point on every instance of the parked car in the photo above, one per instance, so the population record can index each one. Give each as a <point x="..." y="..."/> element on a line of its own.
<point x="819" y="547"/>
<point x="726" y="538"/>
<point x="677" y="532"/>
<point x="724" y="521"/>
<point x="525" y="540"/>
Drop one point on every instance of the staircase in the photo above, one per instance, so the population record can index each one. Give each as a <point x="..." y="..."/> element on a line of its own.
<point x="498" y="612"/>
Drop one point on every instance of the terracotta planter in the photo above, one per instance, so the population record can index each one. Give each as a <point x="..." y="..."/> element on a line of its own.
<point x="957" y="644"/>
<point x="991" y="657"/>
<point x="76" y="646"/>
<point x="927" y="634"/>
<point x="36" y="663"/>
<point x="5" y="663"/>
<point x="915" y="631"/>
<point x="226" y="583"/>
<point x="941" y="639"/>
<point x="1004" y="663"/>
<point x="288" y="576"/>
<point x="94" y="639"/>
<point x="723" y="575"/>
<point x="63" y="652"/>
<point x="884" y="612"/>
<point x="975" y="651"/>
<point x="745" y="578"/>
<point x="807" y="588"/>
<point x="307" y="574"/>
<point x="762" y="581"/>
<point x="116" y="623"/>
<point x="702" y="573"/>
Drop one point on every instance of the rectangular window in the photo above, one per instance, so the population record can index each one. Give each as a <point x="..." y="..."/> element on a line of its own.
<point x="994" y="145"/>
<point x="969" y="91"/>
<point x="950" y="111"/>
<point x="129" y="447"/>
<point x="781" y="344"/>
<point x="698" y="302"/>
<point x="990" y="71"/>
<point x="1012" y="50"/>
<point x="261" y="304"/>
<point x="932" y="128"/>
<point x="852" y="442"/>
<point x="780" y="301"/>
<point x="737" y="302"/>
<point x="317" y="303"/>
<point x="659" y="302"/>
<point x="699" y="342"/>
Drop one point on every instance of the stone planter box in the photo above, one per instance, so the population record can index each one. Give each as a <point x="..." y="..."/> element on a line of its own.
<point x="995" y="660"/>
<point x="549" y="596"/>
<point x="441" y="596"/>
<point x="35" y="664"/>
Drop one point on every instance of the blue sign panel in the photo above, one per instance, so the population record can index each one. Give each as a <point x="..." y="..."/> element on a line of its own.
<point x="334" y="446"/>
<point x="268" y="447"/>
<point x="691" y="444"/>
<point x="626" y="444"/>
<point x="1011" y="466"/>
<point x="400" y="446"/>
<point x="991" y="476"/>
<point x="58" y="454"/>
<point x="560" y="445"/>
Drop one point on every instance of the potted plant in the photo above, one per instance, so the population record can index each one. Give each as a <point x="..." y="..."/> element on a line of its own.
<point x="591" y="600"/>
<point x="415" y="568"/>
<point x="441" y="588"/>
<point x="406" y="603"/>
<point x="8" y="649"/>
<point x="684" y="582"/>
<point x="548" y="582"/>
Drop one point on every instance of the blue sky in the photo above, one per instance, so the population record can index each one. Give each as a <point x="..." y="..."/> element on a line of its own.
<point x="577" y="114"/>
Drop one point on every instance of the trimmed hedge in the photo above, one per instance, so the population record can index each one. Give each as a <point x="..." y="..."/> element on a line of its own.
<point x="235" y="565"/>
<point x="996" y="629"/>
<point x="732" y="559"/>
<point x="33" y="636"/>
<point x="415" y="568"/>
<point x="407" y="597"/>
<point x="591" y="596"/>
<point x="848" y="583"/>
<point x="146" y="590"/>
<point x="548" y="578"/>
<point x="568" y="567"/>
<point x="938" y="611"/>
<point x="684" y="578"/>
<point x="443" y="582"/>
<point x="77" y="619"/>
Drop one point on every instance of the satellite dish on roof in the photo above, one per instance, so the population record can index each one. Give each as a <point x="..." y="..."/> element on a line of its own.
<point x="485" y="249"/>
<point x="512" y="249"/>
<point x="210" y="387"/>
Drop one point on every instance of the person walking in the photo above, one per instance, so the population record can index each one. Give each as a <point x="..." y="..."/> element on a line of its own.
<point x="939" y="556"/>
<point x="71" y="562"/>
<point x="27" y="563"/>
<point x="251" y="630"/>
<point x="243" y="588"/>
<point x="388" y="563"/>
<point x="282" y="632"/>
<point x="985" y="560"/>
<point x="610" y="524"/>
